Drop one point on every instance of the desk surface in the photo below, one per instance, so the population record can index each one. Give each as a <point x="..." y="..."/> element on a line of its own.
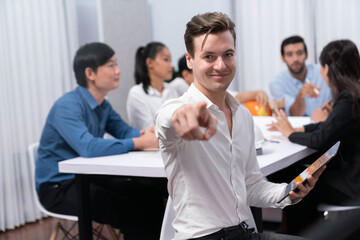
<point x="275" y="156"/>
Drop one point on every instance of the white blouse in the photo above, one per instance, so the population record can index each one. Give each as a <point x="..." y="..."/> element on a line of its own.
<point x="141" y="107"/>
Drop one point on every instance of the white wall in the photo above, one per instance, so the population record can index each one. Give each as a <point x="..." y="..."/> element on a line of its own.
<point x="88" y="21"/>
<point x="125" y="28"/>
<point x="336" y="19"/>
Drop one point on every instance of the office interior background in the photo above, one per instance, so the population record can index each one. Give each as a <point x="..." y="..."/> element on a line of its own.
<point x="38" y="40"/>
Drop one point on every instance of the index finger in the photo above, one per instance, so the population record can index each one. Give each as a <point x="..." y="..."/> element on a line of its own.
<point x="210" y="128"/>
<point x="203" y="113"/>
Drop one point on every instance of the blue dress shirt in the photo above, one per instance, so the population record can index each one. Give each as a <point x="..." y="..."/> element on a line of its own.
<point x="284" y="86"/>
<point x="75" y="127"/>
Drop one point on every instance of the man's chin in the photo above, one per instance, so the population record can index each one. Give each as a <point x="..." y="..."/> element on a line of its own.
<point x="221" y="88"/>
<point x="297" y="71"/>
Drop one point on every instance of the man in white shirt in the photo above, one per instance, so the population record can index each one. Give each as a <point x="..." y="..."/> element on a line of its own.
<point x="207" y="144"/>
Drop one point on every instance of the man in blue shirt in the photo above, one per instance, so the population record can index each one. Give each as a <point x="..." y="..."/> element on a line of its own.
<point x="301" y="86"/>
<point x="75" y="127"/>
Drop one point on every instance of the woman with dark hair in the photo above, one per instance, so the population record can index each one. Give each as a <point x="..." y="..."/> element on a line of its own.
<point x="152" y="67"/>
<point x="340" y="182"/>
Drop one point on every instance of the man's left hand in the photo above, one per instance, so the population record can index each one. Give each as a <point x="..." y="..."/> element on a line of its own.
<point x="304" y="189"/>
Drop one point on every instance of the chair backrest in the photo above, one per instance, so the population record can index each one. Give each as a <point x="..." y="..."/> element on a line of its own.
<point x="33" y="156"/>
<point x="168" y="232"/>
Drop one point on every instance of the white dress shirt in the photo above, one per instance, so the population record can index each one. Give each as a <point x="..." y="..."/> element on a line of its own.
<point x="141" y="107"/>
<point x="213" y="182"/>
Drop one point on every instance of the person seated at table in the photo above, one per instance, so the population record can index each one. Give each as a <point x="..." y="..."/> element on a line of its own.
<point x="75" y="127"/>
<point x="340" y="183"/>
<point x="300" y="86"/>
<point x="207" y="144"/>
<point x="152" y="67"/>
<point x="182" y="83"/>
<point x="184" y="79"/>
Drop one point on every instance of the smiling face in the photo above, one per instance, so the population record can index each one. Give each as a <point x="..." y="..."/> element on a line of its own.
<point x="213" y="63"/>
<point x="161" y="66"/>
<point x="294" y="57"/>
<point x="106" y="77"/>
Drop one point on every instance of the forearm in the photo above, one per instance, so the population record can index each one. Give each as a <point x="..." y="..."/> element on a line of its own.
<point x="103" y="147"/>
<point x="138" y="143"/>
<point x="298" y="107"/>
<point x="246" y="96"/>
<point x="300" y="129"/>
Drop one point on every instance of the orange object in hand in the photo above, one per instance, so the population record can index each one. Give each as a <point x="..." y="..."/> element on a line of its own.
<point x="256" y="109"/>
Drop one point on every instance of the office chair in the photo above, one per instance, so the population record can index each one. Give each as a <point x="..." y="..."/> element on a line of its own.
<point x="33" y="155"/>
<point x="168" y="232"/>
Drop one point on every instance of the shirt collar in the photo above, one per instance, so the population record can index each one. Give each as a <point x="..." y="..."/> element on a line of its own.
<point x="89" y="98"/>
<point x="199" y="96"/>
<point x="153" y="92"/>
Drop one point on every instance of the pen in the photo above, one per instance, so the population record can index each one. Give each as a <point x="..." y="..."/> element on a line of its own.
<point x="314" y="89"/>
<point x="272" y="141"/>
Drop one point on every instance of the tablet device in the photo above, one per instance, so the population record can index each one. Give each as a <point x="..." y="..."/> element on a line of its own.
<point x="312" y="169"/>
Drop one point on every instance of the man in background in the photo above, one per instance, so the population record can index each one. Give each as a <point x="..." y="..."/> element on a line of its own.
<point x="301" y="86"/>
<point x="75" y="127"/>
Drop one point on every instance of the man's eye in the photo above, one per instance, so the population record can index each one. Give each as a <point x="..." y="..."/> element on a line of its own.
<point x="299" y="53"/>
<point x="229" y="55"/>
<point x="209" y="57"/>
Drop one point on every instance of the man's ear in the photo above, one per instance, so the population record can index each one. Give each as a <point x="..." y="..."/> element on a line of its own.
<point x="189" y="60"/>
<point x="89" y="74"/>
<point x="282" y="58"/>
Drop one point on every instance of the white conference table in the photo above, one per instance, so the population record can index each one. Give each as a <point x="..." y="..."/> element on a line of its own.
<point x="276" y="156"/>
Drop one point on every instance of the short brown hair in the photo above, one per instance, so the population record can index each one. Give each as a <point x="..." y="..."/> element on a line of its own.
<point x="206" y="23"/>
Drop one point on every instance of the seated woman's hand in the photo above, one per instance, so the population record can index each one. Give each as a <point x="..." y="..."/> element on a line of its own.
<point x="319" y="115"/>
<point x="282" y="123"/>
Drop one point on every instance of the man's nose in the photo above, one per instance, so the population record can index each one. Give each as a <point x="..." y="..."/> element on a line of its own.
<point x="220" y="64"/>
<point x="117" y="71"/>
<point x="296" y="57"/>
